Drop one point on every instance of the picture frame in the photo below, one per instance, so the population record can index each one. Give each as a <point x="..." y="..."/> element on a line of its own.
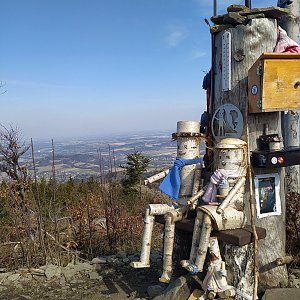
<point x="267" y="196"/>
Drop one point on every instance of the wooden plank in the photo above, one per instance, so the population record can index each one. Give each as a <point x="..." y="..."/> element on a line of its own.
<point x="241" y="236"/>
<point x="237" y="237"/>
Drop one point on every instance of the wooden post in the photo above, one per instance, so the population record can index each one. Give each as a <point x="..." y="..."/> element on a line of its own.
<point x="248" y="43"/>
<point x="290" y="23"/>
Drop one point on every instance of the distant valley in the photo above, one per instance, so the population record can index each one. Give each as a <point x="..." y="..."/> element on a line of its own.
<point x="80" y="158"/>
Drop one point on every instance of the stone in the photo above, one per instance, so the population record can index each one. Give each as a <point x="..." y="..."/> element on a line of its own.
<point x="25" y="297"/>
<point x="132" y="295"/>
<point x="234" y="18"/>
<point x="70" y="265"/>
<point x="80" y="267"/>
<point x="62" y="280"/>
<point x="52" y="271"/>
<point x="68" y="273"/>
<point x="218" y="28"/>
<point x="99" y="260"/>
<point x="13" y="277"/>
<point x="98" y="267"/>
<point x="100" y="221"/>
<point x="134" y="257"/>
<point x="4" y="275"/>
<point x="296" y="272"/>
<point x="155" y="290"/>
<point x="112" y="259"/>
<point x="296" y="283"/>
<point x="197" y="294"/>
<point x="217" y="20"/>
<point x="95" y="276"/>
<point x="282" y="294"/>
<point x="18" y="286"/>
<point x="121" y="254"/>
<point x="3" y="288"/>
<point x="77" y="281"/>
<point x="38" y="272"/>
<point x="155" y="255"/>
<point x="43" y="267"/>
<point x="25" y="278"/>
<point x="269" y="12"/>
<point x="256" y="16"/>
<point x="236" y="7"/>
<point x="179" y="289"/>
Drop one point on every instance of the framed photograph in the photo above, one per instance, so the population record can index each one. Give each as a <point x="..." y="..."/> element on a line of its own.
<point x="267" y="195"/>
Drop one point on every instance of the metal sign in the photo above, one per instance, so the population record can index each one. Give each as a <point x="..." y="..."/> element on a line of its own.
<point x="227" y="121"/>
<point x="226" y="61"/>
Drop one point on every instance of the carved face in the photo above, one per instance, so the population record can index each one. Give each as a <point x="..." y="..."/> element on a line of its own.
<point x="230" y="158"/>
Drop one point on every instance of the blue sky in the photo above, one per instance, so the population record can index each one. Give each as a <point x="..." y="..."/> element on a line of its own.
<point x="93" y="67"/>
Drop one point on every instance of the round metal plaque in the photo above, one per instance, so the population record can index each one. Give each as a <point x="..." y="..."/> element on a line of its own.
<point x="227" y="121"/>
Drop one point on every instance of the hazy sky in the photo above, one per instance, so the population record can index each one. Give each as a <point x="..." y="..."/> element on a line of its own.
<point x="88" y="67"/>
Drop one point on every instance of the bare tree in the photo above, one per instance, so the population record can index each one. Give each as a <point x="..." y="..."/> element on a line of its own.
<point x="12" y="148"/>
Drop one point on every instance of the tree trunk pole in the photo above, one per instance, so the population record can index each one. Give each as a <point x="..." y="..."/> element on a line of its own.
<point x="290" y="23"/>
<point x="251" y="40"/>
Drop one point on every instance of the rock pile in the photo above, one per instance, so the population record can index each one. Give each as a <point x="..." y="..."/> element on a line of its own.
<point x="240" y="14"/>
<point x="294" y="278"/>
<point x="101" y="275"/>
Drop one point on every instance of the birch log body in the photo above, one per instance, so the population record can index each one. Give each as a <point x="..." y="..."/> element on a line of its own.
<point x="258" y="36"/>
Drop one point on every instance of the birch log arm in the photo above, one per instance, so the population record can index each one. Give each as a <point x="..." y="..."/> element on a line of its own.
<point x="156" y="177"/>
<point x="192" y="202"/>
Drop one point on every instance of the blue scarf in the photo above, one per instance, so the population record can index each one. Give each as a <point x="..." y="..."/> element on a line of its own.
<point x="171" y="184"/>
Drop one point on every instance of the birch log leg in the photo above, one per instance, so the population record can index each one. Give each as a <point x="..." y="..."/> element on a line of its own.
<point x="168" y="248"/>
<point x="196" y="235"/>
<point x="146" y="242"/>
<point x="203" y="243"/>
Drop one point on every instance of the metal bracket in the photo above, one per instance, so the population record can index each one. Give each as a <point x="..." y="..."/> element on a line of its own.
<point x="259" y="103"/>
<point x="259" y="70"/>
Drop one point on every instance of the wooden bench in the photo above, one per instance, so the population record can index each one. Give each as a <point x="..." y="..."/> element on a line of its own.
<point x="237" y="237"/>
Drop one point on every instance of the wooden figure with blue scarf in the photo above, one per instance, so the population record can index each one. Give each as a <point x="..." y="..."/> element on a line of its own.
<point x="181" y="183"/>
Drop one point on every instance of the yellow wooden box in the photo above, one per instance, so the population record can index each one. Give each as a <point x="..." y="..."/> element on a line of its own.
<point x="274" y="83"/>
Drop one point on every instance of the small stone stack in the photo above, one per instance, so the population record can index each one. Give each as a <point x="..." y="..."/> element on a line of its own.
<point x="241" y="15"/>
